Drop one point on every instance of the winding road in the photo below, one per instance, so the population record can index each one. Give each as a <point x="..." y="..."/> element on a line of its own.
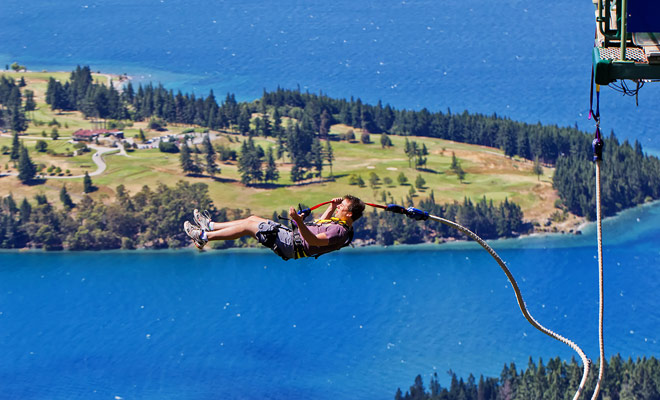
<point x="97" y="158"/>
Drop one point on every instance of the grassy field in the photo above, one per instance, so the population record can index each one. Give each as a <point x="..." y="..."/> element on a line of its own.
<point x="489" y="172"/>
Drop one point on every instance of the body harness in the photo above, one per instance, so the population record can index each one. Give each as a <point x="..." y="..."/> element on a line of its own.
<point x="298" y="242"/>
<point x="268" y="238"/>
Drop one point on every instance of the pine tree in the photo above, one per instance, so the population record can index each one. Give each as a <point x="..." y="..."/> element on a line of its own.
<point x="402" y="179"/>
<point x="18" y="121"/>
<point x="506" y="140"/>
<point x="523" y="145"/>
<point x="407" y="149"/>
<point x="244" y="121"/>
<point x="266" y="127"/>
<point x="329" y="156"/>
<point x="258" y="126"/>
<point x="30" y="104"/>
<point x="65" y="198"/>
<point x="317" y="156"/>
<point x="460" y="173"/>
<point x="385" y="141"/>
<point x="374" y="180"/>
<point x="420" y="159"/>
<point x="414" y="151"/>
<point x="277" y="125"/>
<point x="187" y="163"/>
<point x="454" y="161"/>
<point x="420" y="182"/>
<point x="249" y="163"/>
<point x="88" y="186"/>
<point x="281" y="147"/>
<point x="271" y="174"/>
<point x="26" y="169"/>
<point x="196" y="162"/>
<point x="15" y="148"/>
<point x="324" y="125"/>
<point x="210" y="156"/>
<point x="25" y="210"/>
<point x="9" y="204"/>
<point x="538" y="170"/>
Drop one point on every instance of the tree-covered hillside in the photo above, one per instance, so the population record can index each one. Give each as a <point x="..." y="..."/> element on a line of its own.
<point x="556" y="380"/>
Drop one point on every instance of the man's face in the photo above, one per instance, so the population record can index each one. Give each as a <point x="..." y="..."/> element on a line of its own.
<point x="342" y="210"/>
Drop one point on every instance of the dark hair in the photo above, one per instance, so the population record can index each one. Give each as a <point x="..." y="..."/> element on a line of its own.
<point x="356" y="208"/>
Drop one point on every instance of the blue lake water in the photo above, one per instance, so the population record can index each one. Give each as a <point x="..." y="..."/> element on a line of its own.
<point x="355" y="324"/>
<point x="530" y="61"/>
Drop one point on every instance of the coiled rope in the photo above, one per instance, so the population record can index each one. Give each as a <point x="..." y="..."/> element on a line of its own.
<point x="586" y="363"/>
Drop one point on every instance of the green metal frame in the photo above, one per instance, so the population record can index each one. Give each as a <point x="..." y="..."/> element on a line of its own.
<point x="607" y="71"/>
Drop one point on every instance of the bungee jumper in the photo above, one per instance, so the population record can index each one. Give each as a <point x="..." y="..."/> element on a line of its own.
<point x="331" y="232"/>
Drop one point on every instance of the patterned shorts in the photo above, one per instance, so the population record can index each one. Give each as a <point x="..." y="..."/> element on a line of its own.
<point x="277" y="237"/>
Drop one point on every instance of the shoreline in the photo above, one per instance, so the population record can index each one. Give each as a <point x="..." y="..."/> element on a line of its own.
<point x="534" y="240"/>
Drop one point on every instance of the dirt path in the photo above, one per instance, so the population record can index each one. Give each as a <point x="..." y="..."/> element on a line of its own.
<point x="97" y="158"/>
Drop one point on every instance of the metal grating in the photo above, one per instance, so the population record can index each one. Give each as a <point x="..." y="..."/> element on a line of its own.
<point x="614" y="53"/>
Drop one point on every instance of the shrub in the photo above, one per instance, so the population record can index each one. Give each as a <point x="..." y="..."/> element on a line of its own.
<point x="365" y="138"/>
<point x="41" y="146"/>
<point x="157" y="124"/>
<point x="420" y="182"/>
<point x="114" y="124"/>
<point x="167" y="147"/>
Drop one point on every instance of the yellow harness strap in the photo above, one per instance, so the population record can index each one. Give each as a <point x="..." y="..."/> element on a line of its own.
<point x="330" y="221"/>
<point x="300" y="249"/>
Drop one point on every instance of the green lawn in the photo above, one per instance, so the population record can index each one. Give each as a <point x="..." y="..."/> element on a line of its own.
<point x="151" y="167"/>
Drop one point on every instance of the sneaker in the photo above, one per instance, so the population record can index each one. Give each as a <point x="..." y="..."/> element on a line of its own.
<point x="195" y="234"/>
<point x="202" y="219"/>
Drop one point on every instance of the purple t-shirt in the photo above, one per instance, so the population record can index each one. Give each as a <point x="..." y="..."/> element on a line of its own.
<point x="336" y="233"/>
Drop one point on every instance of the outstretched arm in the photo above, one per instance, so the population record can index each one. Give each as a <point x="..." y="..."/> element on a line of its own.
<point x="312" y="239"/>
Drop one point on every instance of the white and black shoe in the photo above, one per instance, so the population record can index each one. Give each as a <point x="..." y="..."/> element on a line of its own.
<point x="202" y="219"/>
<point x="195" y="233"/>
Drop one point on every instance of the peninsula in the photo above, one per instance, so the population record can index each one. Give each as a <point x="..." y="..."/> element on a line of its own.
<point x="284" y="148"/>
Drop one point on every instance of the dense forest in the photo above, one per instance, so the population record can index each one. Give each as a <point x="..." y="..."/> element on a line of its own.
<point x="629" y="176"/>
<point x="483" y="218"/>
<point x="154" y="219"/>
<point x="557" y="380"/>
